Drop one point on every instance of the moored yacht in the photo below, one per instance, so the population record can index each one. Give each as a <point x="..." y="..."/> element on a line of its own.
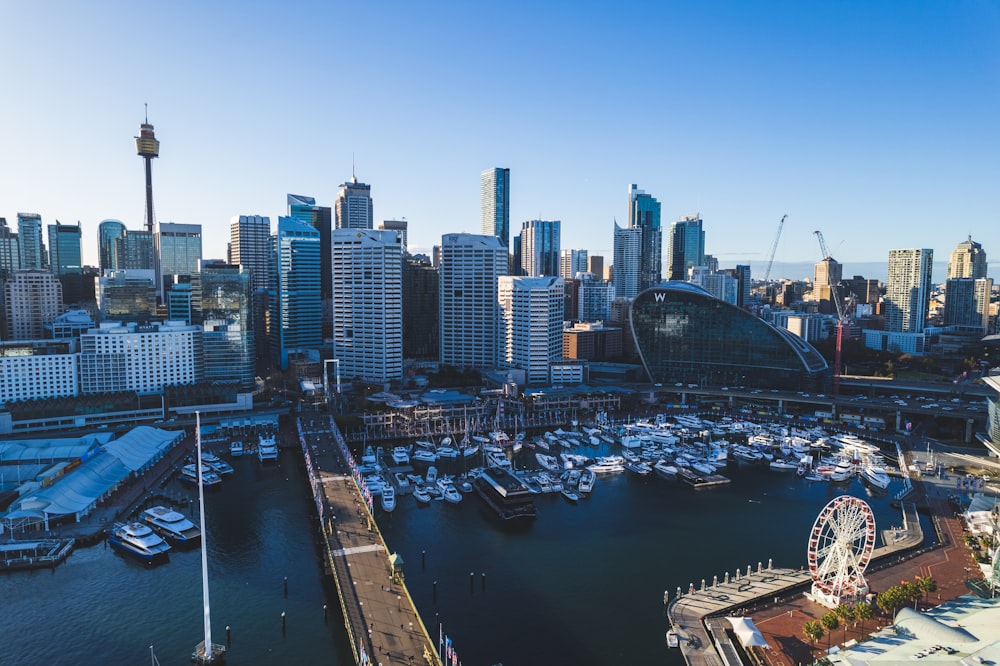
<point x="209" y="479"/>
<point x="171" y="524"/>
<point x="388" y="498"/>
<point x="267" y="449"/>
<point x="400" y="455"/>
<point x="139" y="540"/>
<point x="875" y="475"/>
<point x="236" y="448"/>
<point x="665" y="470"/>
<point x="587" y="480"/>
<point x="607" y="464"/>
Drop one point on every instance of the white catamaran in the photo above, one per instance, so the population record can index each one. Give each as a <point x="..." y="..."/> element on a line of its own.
<point x="205" y="652"/>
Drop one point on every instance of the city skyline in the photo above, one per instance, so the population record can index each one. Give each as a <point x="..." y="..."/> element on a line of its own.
<point x="841" y="116"/>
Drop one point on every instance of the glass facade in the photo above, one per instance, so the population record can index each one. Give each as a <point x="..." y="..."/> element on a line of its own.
<point x="684" y="334"/>
<point x="108" y="233"/>
<point x="221" y="305"/>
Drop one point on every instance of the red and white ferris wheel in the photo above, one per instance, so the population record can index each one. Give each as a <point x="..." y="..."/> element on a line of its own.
<point x="840" y="547"/>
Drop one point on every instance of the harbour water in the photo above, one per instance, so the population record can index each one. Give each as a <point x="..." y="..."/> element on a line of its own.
<point x="580" y="584"/>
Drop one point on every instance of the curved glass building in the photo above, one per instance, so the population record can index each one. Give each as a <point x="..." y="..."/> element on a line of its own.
<point x="684" y="334"/>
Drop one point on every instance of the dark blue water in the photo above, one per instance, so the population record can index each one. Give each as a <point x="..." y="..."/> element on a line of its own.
<point x="101" y="607"/>
<point x="584" y="583"/>
<point x="581" y="584"/>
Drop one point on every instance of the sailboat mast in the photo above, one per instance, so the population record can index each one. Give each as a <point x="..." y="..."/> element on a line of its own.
<point x="209" y="653"/>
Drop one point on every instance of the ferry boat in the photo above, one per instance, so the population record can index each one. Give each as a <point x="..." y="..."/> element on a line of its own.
<point x="506" y="494"/>
<point x="236" y="448"/>
<point x="172" y="525"/>
<point x="209" y="479"/>
<point x="139" y="540"/>
<point x="267" y="449"/>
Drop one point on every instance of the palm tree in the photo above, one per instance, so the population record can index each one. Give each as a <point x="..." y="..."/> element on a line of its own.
<point x="830" y="622"/>
<point x="926" y="584"/>
<point x="845" y="613"/>
<point x="813" y="630"/>
<point x="863" y="611"/>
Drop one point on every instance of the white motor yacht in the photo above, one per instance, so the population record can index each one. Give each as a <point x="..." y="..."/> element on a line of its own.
<point x="875" y="475"/>
<point x="421" y="495"/>
<point x="608" y="465"/>
<point x="139" y="540"/>
<point x="665" y="470"/>
<point x="267" y="449"/>
<point x="172" y="525"/>
<point x="388" y="498"/>
<point x="587" y="480"/>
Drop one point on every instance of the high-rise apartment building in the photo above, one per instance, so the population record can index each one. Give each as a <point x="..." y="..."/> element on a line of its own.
<point x="179" y="250"/>
<point x="32" y="247"/>
<point x="421" y="305"/>
<point x="470" y="266"/>
<point x="319" y="218"/>
<point x="221" y="303"/>
<point x="908" y="290"/>
<point x="368" y="304"/>
<point x="108" y="233"/>
<point x="644" y="213"/>
<point x="595" y="265"/>
<point x="594" y="297"/>
<point x="296" y="308"/>
<point x="742" y="276"/>
<point x="251" y="247"/>
<point x="10" y="251"/>
<point x="354" y="205"/>
<point x="572" y="262"/>
<point x="531" y="324"/>
<point x="495" y="204"/>
<point x="967" y="303"/>
<point x="626" y="268"/>
<point x="968" y="260"/>
<point x="540" y="248"/>
<point x="32" y="300"/>
<point x="686" y="247"/>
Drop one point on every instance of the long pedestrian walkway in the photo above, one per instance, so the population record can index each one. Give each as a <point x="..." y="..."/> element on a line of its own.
<point x="380" y="616"/>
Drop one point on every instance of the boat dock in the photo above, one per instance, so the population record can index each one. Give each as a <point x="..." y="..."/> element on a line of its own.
<point x="698" y="615"/>
<point x="380" y="616"/>
<point x="15" y="555"/>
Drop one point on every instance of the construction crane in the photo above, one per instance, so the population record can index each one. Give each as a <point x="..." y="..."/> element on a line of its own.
<point x="841" y="317"/>
<point x="774" y="248"/>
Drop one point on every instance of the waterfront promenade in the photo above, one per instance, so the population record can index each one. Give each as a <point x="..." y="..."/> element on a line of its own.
<point x="381" y="618"/>
<point x="776" y="602"/>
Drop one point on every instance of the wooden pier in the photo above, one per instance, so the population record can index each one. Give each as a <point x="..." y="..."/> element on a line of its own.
<point x="380" y="616"/>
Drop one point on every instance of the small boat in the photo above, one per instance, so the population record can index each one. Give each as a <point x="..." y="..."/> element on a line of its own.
<point x="449" y="491"/>
<point x="171" y="524"/>
<point x="432" y="475"/>
<point x="471" y="450"/>
<point x="421" y="495"/>
<point x="424" y="455"/>
<point x="638" y="467"/>
<point x="587" y="479"/>
<point x="665" y="470"/>
<point x="216" y="464"/>
<point x="673" y="640"/>
<point x="402" y="480"/>
<point x="139" y="540"/>
<point x="783" y="465"/>
<point x="496" y="459"/>
<point x="189" y="474"/>
<point x="449" y="452"/>
<point x="550" y="463"/>
<point x="570" y="495"/>
<point x="400" y="455"/>
<point x="236" y="448"/>
<point x="388" y="498"/>
<point x="267" y="449"/>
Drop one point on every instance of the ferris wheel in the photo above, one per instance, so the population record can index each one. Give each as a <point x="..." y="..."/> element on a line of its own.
<point x="840" y="546"/>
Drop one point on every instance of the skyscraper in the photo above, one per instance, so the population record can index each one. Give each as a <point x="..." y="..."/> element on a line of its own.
<point x="686" y="248"/>
<point x="127" y="296"/>
<point x="470" y="266"/>
<point x="32" y="247"/>
<point x="250" y="247"/>
<point x="908" y="289"/>
<point x="354" y="205"/>
<point x="179" y="250"/>
<point x="968" y="260"/>
<point x="367" y="304"/>
<point x="421" y="331"/>
<point x="572" y="262"/>
<point x="10" y="251"/>
<point x="626" y="261"/>
<point x="64" y="249"/>
<point x="540" y="247"/>
<point x="319" y="218"/>
<point x="398" y="226"/>
<point x="967" y="303"/>
<point x="495" y="204"/>
<point x="296" y="309"/>
<point x="108" y="233"/>
<point x="221" y="305"/>
<point x="135" y="250"/>
<point x="531" y="324"/>
<point x="644" y="213"/>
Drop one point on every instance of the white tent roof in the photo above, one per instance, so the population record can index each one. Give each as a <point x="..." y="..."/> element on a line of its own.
<point x="139" y="446"/>
<point x="747" y="632"/>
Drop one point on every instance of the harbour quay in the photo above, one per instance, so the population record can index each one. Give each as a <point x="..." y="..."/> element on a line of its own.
<point x="380" y="616"/>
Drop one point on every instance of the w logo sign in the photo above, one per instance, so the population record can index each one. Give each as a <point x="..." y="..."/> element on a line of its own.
<point x="659" y="297"/>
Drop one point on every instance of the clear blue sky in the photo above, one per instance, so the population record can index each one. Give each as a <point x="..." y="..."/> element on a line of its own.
<point x="875" y="122"/>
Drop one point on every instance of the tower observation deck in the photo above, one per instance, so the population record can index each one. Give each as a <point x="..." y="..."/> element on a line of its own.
<point x="147" y="146"/>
